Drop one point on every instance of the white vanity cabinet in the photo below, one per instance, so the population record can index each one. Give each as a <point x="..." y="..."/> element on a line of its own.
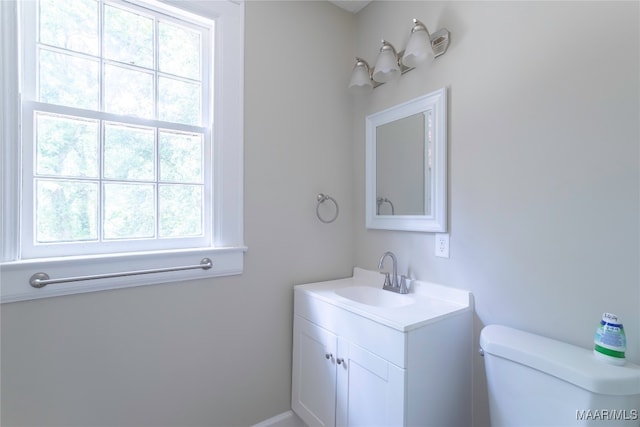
<point x="355" y="366"/>
<point x="340" y="383"/>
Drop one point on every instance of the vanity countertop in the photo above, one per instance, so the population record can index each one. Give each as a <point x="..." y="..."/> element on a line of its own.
<point x="362" y="294"/>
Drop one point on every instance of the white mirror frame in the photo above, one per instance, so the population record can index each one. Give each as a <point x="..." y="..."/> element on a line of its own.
<point x="436" y="102"/>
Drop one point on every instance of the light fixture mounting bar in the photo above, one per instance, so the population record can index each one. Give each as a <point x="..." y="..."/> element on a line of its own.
<point x="403" y="68"/>
<point x="440" y="42"/>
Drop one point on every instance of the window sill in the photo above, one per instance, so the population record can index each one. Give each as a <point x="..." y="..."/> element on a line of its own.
<point x="14" y="276"/>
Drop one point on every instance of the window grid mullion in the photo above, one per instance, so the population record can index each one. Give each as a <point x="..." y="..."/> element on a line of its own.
<point x="156" y="94"/>
<point x="157" y="181"/>
<point x="101" y="53"/>
<point x="101" y="202"/>
<point x="156" y="67"/>
<point x="101" y="133"/>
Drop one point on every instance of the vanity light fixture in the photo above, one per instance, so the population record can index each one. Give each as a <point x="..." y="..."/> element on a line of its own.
<point x="390" y="64"/>
<point x="361" y="80"/>
<point x="418" y="48"/>
<point x="387" y="65"/>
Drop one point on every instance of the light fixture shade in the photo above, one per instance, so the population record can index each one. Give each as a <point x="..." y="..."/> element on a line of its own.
<point x="418" y="50"/>
<point x="361" y="77"/>
<point x="386" y="68"/>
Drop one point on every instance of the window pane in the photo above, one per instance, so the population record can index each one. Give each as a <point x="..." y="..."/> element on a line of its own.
<point x="128" y="37"/>
<point x="70" y="25"/>
<point x="66" y="211"/>
<point x="180" y="157"/>
<point x="66" y="146"/>
<point x="129" y="211"/>
<point x="128" y="92"/>
<point x="129" y="152"/>
<point x="179" y="51"/>
<point x="180" y="210"/>
<point x="68" y="80"/>
<point x="179" y="101"/>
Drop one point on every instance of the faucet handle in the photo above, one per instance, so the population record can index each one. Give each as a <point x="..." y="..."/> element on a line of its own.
<point x="403" y="284"/>
<point x="387" y="278"/>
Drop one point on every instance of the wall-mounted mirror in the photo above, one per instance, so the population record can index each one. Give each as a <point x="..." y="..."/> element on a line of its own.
<point x="406" y="165"/>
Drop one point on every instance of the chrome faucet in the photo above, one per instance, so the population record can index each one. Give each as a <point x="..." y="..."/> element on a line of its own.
<point x="391" y="284"/>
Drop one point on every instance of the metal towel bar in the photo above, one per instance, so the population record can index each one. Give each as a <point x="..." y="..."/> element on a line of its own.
<point x="40" y="280"/>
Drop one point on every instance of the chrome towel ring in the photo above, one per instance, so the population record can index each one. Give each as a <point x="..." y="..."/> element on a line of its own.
<point x="321" y="199"/>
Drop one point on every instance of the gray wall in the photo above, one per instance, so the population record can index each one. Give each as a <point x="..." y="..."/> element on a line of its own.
<point x="543" y="156"/>
<point x="218" y="352"/>
<point x="544" y="211"/>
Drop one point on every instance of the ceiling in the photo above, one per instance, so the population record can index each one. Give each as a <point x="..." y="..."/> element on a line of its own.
<point x="352" y="6"/>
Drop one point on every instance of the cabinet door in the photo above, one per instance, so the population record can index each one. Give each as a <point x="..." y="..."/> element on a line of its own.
<point x="313" y="388"/>
<point x="370" y="389"/>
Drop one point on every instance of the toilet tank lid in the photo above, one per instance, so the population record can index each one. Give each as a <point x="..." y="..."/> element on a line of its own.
<point x="570" y="363"/>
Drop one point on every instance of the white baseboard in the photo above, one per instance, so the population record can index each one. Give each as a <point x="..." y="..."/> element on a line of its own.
<point x="286" y="419"/>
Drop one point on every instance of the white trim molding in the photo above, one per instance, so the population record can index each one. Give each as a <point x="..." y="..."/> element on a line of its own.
<point x="10" y="117"/>
<point x="16" y="276"/>
<point x="285" y="419"/>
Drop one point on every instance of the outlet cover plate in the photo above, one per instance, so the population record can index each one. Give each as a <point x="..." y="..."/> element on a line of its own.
<point x="442" y="245"/>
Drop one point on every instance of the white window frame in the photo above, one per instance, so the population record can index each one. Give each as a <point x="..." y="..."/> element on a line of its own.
<point x="227" y="248"/>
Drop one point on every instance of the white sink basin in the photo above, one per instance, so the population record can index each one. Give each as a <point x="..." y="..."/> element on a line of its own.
<point x="374" y="296"/>
<point x="363" y="295"/>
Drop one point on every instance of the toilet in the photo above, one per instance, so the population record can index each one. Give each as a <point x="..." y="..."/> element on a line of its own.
<point x="538" y="381"/>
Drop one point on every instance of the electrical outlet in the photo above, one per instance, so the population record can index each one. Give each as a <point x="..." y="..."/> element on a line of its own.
<point x="442" y="245"/>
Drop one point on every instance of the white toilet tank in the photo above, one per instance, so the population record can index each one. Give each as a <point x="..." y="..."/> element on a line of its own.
<point x="537" y="381"/>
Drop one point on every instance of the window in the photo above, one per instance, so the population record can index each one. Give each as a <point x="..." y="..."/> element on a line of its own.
<point x="126" y="126"/>
<point x="116" y="129"/>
